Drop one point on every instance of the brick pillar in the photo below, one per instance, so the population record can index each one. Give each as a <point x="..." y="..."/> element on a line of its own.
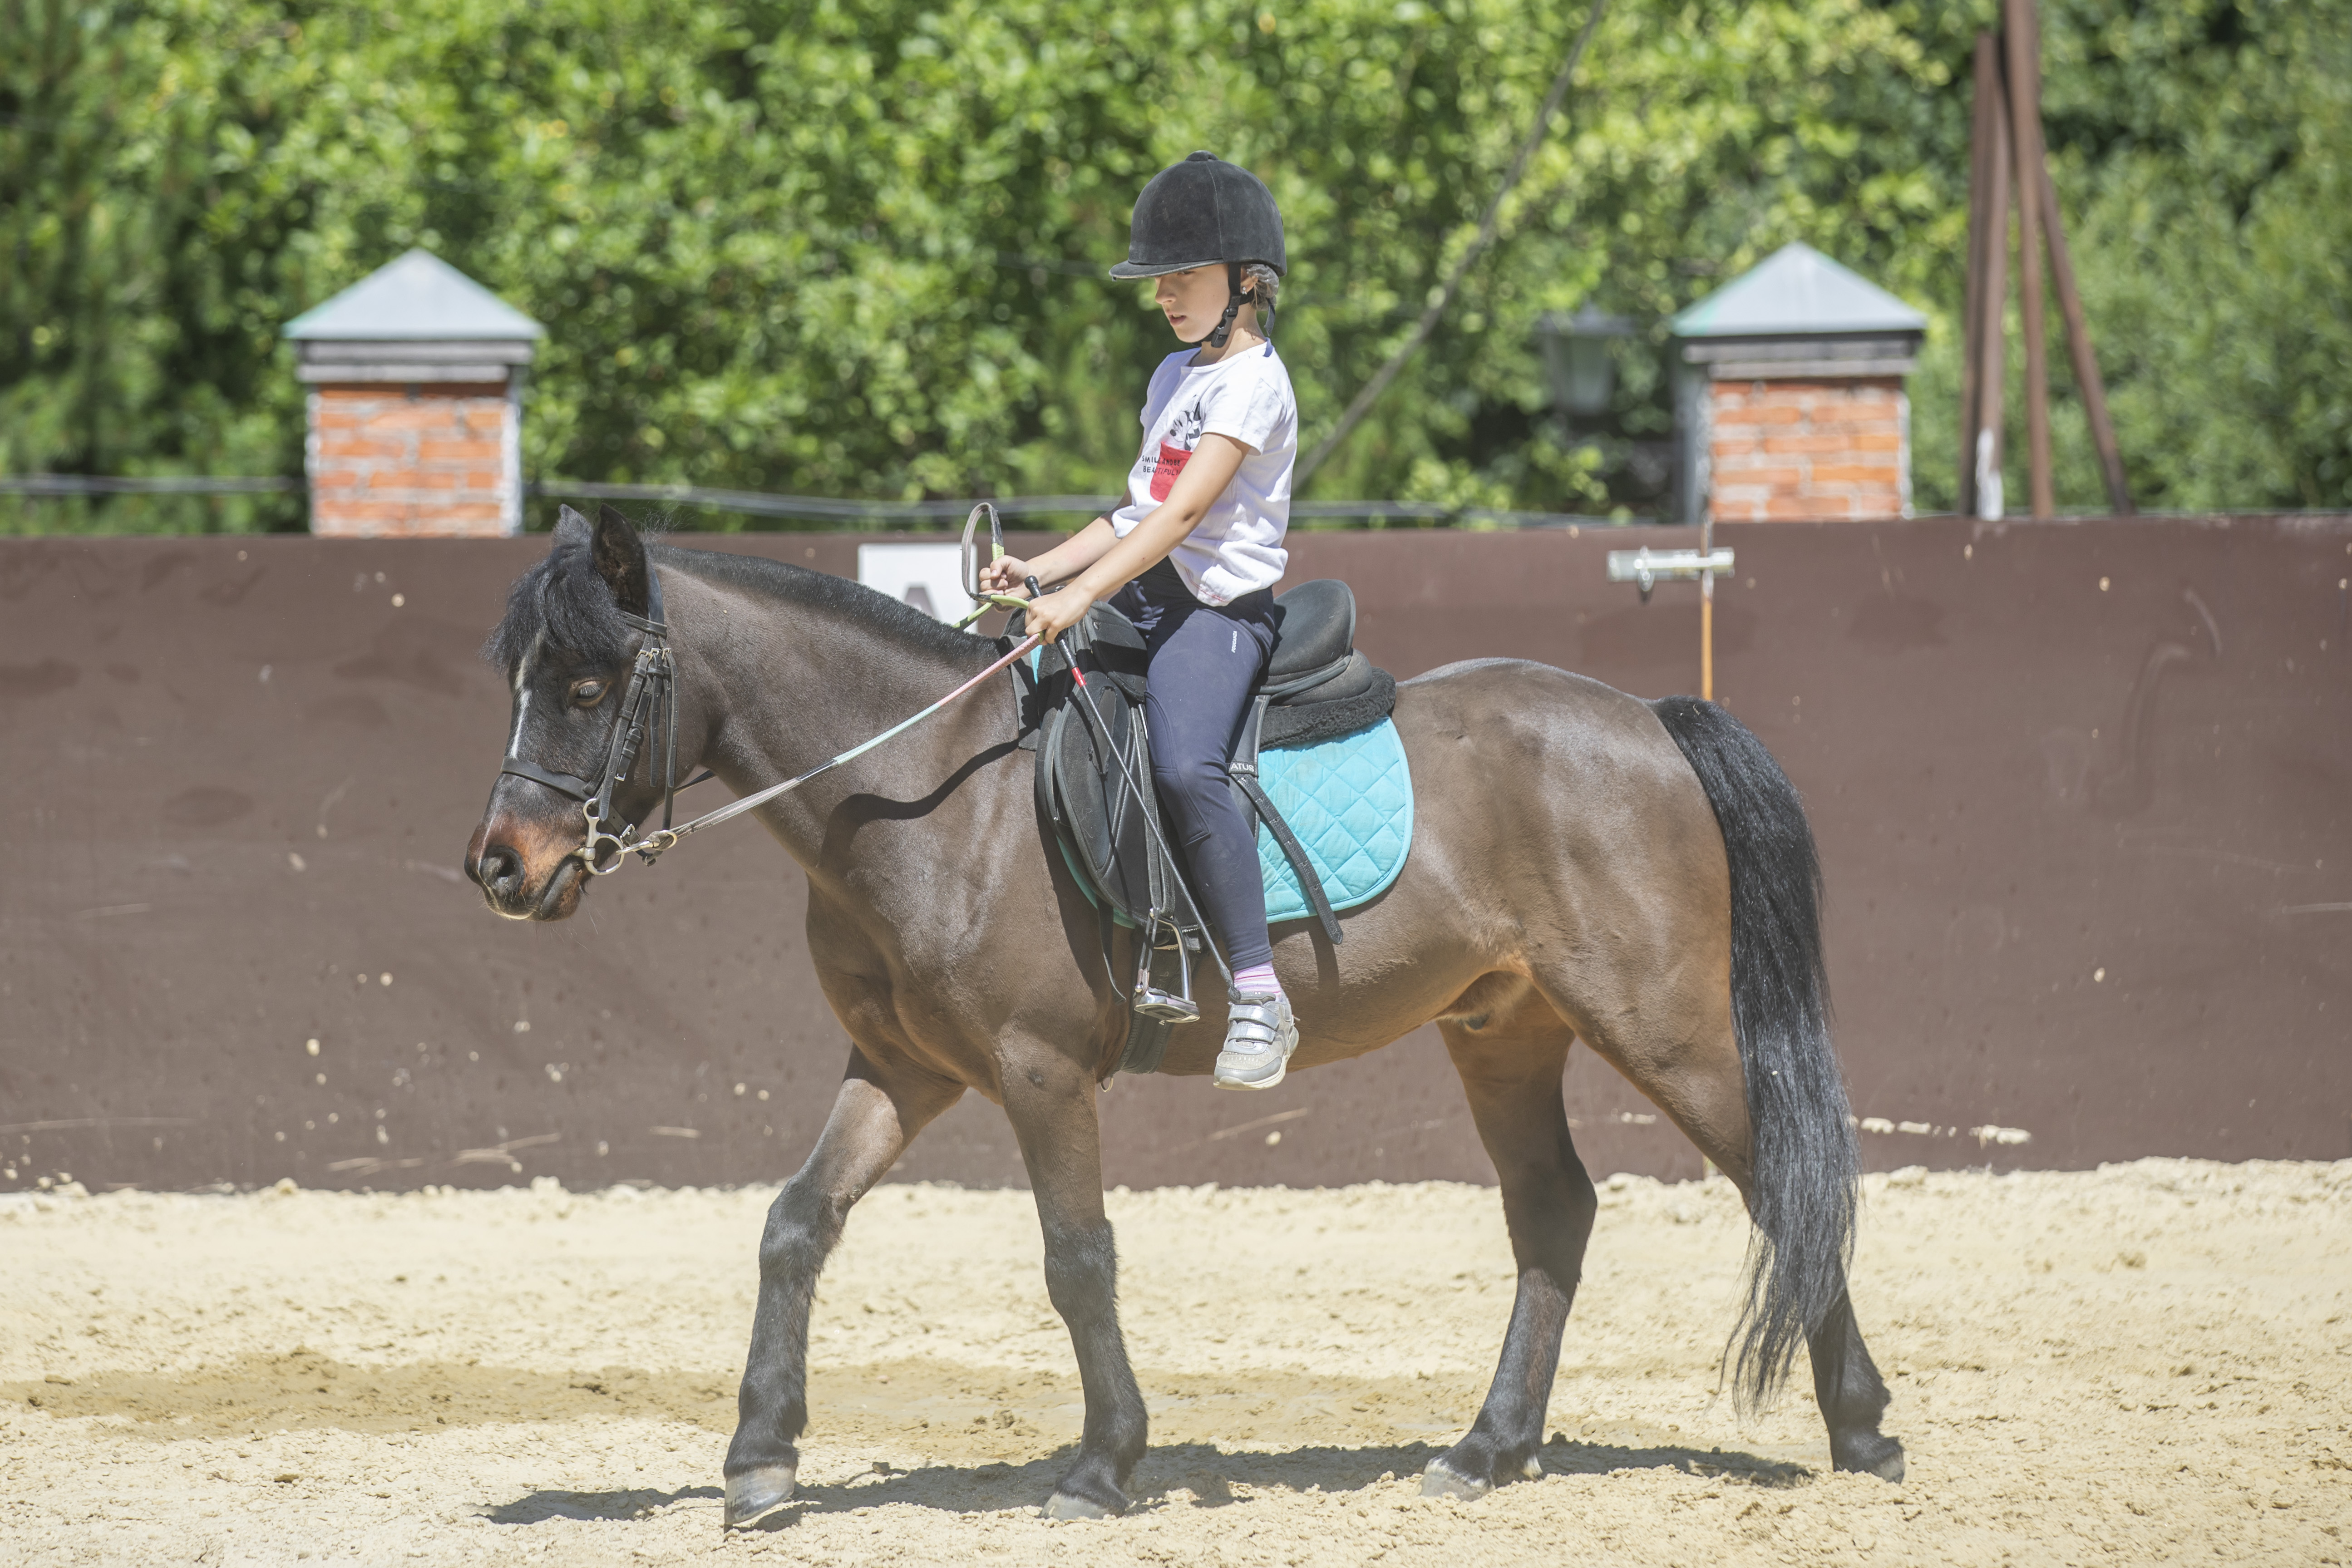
<point x="1831" y="447"/>
<point x="416" y="375"/>
<point x="429" y="459"/>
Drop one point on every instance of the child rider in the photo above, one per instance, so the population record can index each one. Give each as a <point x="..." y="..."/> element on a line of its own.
<point x="1193" y="557"/>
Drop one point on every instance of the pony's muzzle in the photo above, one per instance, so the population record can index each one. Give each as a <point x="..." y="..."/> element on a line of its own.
<point x="500" y="861"/>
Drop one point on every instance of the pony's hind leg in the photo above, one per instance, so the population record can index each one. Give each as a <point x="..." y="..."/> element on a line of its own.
<point x="1705" y="1095"/>
<point x="1510" y="1059"/>
<point x="1853" y="1396"/>
<point x="1699" y="1080"/>
<point x="1746" y="1068"/>
<point x="869" y="1128"/>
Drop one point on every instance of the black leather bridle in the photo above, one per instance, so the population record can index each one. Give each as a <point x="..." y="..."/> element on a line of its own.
<point x="651" y="698"/>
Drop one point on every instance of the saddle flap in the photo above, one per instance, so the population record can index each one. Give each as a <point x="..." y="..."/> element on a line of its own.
<point x="1110" y="643"/>
<point x="1086" y="740"/>
<point x="1094" y="808"/>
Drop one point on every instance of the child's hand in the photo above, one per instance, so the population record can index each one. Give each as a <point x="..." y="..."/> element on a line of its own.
<point x="1051" y="615"/>
<point x="1003" y="576"/>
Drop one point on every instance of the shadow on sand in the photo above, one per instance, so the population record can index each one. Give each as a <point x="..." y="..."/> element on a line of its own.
<point x="537" y="1507"/>
<point x="1199" y="1475"/>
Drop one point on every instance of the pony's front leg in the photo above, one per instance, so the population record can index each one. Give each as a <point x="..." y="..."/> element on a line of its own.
<point x="869" y="1129"/>
<point x="1050" y="1101"/>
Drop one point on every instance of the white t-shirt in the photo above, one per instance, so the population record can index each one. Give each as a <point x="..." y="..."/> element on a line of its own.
<point x="1236" y="548"/>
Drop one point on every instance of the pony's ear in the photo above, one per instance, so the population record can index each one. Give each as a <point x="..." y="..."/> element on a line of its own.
<point x="571" y="527"/>
<point x="620" y="558"/>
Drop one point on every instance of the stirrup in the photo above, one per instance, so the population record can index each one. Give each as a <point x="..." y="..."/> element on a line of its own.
<point x="1150" y="1002"/>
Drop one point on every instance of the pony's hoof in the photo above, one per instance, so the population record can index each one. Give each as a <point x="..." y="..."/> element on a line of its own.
<point x="1069" y="1505"/>
<point x="755" y="1494"/>
<point x="1442" y="1479"/>
<point x="1870" y="1454"/>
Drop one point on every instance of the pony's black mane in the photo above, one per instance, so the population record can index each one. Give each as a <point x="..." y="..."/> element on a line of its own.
<point x="562" y="595"/>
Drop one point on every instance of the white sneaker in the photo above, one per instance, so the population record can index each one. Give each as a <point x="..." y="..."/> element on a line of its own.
<point x="1260" y="1035"/>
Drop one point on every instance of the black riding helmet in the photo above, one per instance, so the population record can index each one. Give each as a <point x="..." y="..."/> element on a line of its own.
<point x="1200" y="212"/>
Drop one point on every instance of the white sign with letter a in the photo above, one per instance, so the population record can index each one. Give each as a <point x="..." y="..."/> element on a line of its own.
<point x="928" y="576"/>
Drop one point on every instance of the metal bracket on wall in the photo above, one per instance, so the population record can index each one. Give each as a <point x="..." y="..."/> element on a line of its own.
<point x="1645" y="567"/>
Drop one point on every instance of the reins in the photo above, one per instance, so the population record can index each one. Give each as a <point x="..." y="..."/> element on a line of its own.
<point x="652" y="697"/>
<point x="653" y="844"/>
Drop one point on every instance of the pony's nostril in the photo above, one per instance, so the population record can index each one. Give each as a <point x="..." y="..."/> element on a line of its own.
<point x="500" y="872"/>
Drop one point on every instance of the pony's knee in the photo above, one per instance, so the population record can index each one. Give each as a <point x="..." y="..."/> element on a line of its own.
<point x="1082" y="1271"/>
<point x="801" y="1230"/>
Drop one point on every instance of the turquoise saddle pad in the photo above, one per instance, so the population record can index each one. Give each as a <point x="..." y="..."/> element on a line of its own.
<point x="1349" y="800"/>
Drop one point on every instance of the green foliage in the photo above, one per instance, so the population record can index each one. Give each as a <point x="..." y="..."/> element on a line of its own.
<point x="138" y="301"/>
<point x="2209" y="141"/>
<point x="803" y="246"/>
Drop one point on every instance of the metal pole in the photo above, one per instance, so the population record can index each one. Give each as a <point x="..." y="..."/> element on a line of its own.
<point x="2024" y="45"/>
<point x="1707" y="607"/>
<point x="2078" y="344"/>
<point x="1984" y="221"/>
<point x="1985" y="438"/>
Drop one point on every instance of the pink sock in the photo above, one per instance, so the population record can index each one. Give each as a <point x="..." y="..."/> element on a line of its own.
<point x="1257" y="980"/>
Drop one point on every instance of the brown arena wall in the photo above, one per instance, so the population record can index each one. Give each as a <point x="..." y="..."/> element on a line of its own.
<point x="403" y="462"/>
<point x="2083" y="794"/>
<point x="1808" y="450"/>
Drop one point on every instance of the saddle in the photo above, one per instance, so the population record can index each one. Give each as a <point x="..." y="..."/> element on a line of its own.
<point x="1110" y="828"/>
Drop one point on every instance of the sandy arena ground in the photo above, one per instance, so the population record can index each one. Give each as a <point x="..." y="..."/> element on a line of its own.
<point x="2145" y="1364"/>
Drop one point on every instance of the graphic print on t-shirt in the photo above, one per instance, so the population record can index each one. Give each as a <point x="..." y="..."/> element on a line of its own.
<point x="1176" y="448"/>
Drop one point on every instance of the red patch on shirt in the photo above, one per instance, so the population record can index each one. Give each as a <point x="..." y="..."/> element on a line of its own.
<point x="1163" y="474"/>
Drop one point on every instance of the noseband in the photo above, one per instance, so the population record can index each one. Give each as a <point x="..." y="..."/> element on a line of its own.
<point x="651" y="698"/>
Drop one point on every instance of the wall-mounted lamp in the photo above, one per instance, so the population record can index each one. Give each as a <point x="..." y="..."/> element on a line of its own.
<point x="1578" y="364"/>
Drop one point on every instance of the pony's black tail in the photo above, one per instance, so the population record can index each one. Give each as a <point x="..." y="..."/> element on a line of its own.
<point x="1802" y="1195"/>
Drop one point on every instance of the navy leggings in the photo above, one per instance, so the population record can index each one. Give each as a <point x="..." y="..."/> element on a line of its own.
<point x="1206" y="660"/>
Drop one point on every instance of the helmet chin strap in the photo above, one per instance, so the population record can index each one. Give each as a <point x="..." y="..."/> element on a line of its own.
<point x="1233" y="306"/>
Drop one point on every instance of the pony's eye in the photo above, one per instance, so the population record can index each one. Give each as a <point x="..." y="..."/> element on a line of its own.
<point x="587" y="693"/>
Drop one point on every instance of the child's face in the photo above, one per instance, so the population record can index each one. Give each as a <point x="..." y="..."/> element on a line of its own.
<point x="1194" y="301"/>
